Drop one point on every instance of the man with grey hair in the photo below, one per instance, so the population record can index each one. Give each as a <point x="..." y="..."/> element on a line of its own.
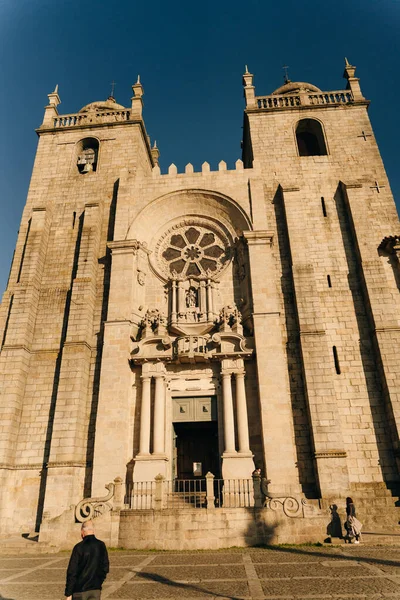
<point x="88" y="566"/>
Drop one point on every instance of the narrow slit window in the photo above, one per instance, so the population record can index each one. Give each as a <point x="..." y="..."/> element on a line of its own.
<point x="329" y="281"/>
<point x="73" y="219"/>
<point x="323" y="207"/>
<point x="336" y="359"/>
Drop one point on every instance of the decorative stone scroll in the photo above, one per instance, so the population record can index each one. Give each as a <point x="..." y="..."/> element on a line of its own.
<point x="291" y="506"/>
<point x="90" y="508"/>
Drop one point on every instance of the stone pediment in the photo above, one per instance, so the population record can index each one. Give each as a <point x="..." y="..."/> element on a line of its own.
<point x="228" y="344"/>
<point x="152" y="348"/>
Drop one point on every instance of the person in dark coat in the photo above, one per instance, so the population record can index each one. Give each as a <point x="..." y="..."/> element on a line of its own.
<point x="352" y="524"/>
<point x="88" y="567"/>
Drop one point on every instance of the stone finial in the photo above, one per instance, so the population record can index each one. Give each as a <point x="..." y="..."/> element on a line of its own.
<point x="247" y="78"/>
<point x="54" y="98"/>
<point x="156" y="170"/>
<point x="155" y="153"/>
<point x="249" y="89"/>
<point x="353" y="83"/>
<point x="137" y="99"/>
<point x="205" y="167"/>
<point x="50" y="111"/>
<point x="222" y="166"/>
<point x="172" y="170"/>
<point x="189" y="168"/>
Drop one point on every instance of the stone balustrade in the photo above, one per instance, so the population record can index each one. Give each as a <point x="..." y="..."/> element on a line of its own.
<point x="296" y="100"/>
<point x="191" y="346"/>
<point x="91" y="118"/>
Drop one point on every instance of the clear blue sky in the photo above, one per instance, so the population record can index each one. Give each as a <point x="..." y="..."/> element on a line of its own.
<point x="191" y="57"/>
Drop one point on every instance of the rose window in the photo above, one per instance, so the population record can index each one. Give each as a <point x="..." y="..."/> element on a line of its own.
<point x="194" y="251"/>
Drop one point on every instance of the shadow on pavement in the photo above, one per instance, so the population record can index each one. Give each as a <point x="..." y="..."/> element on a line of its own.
<point x="183" y="586"/>
<point x="355" y="556"/>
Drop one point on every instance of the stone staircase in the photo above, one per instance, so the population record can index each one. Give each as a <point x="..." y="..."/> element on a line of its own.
<point x="25" y="544"/>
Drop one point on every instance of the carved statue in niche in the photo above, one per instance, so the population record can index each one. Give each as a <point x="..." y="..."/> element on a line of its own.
<point x="192" y="298"/>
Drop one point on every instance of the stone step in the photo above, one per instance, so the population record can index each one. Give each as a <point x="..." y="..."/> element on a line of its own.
<point x="388" y="538"/>
<point x="372" y="538"/>
<point x="24" y="545"/>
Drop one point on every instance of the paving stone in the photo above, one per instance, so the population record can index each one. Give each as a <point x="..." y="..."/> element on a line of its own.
<point x="32" y="591"/>
<point x="194" y="572"/>
<point x="194" y="559"/>
<point x="311" y="570"/>
<point x="231" y="590"/>
<point x="325" y="586"/>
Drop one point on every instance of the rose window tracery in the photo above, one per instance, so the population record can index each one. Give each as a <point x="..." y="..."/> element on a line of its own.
<point x="193" y="251"/>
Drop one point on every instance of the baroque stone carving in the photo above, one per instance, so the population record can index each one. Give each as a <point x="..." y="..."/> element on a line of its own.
<point x="141" y="277"/>
<point x="230" y="319"/>
<point x="90" y="508"/>
<point x="195" y="247"/>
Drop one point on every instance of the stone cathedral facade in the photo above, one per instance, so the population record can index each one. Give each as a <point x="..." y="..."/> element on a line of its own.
<point x="184" y="323"/>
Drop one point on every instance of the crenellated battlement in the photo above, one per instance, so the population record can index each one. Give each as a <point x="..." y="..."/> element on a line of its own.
<point x="205" y="169"/>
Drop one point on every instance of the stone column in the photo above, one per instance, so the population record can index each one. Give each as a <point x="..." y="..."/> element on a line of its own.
<point x="148" y="466"/>
<point x="181" y="298"/>
<point x="210" y="308"/>
<point x="229" y="423"/>
<point x="145" y="416"/>
<point x="173" y="301"/>
<point x="159" y="415"/>
<point x="241" y="408"/>
<point x="235" y="465"/>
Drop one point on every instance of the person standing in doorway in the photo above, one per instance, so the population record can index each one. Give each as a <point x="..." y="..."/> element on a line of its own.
<point x="88" y="566"/>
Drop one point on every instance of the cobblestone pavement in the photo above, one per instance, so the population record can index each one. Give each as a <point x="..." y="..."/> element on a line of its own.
<point x="348" y="572"/>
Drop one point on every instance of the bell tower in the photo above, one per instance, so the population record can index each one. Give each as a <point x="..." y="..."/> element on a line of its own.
<point x="327" y="193"/>
<point x="52" y="312"/>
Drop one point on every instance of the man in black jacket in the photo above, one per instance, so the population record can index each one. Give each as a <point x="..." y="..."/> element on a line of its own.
<point x="88" y="566"/>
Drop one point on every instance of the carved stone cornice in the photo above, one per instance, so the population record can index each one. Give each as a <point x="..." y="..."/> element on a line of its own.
<point x="127" y="247"/>
<point x="289" y="188"/>
<point x="330" y="454"/>
<point x="260" y="237"/>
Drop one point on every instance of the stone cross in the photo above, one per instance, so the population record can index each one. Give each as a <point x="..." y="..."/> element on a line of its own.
<point x="376" y="186"/>
<point x="364" y="135"/>
<point x="285" y="68"/>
